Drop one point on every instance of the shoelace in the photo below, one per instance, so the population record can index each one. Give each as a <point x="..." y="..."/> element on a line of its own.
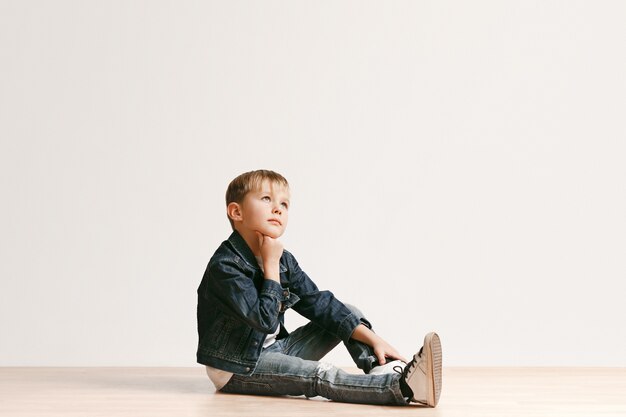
<point x="404" y="372"/>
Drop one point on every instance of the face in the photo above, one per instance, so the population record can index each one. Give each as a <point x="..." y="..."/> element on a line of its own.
<point x="266" y="210"/>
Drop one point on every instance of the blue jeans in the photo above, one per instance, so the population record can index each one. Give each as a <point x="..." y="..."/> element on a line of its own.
<point x="290" y="367"/>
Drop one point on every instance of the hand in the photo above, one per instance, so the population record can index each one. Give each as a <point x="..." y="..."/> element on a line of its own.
<point x="384" y="350"/>
<point x="271" y="249"/>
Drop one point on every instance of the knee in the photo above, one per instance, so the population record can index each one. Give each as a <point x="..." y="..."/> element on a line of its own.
<point x="326" y="371"/>
<point x="359" y="314"/>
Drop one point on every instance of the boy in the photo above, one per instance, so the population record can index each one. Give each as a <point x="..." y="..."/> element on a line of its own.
<point x="249" y="283"/>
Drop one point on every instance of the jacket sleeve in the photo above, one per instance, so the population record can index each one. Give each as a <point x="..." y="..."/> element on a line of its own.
<point x="321" y="307"/>
<point x="236" y="293"/>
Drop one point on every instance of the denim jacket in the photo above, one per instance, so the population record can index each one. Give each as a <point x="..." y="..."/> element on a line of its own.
<point x="238" y="307"/>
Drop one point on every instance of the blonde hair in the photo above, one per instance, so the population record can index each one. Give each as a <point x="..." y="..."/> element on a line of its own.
<point x="250" y="181"/>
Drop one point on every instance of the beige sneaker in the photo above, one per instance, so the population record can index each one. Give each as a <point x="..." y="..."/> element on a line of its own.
<point x="423" y="373"/>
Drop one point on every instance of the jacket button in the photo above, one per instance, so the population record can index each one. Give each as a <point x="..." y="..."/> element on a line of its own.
<point x="247" y="369"/>
<point x="286" y="294"/>
<point x="255" y="343"/>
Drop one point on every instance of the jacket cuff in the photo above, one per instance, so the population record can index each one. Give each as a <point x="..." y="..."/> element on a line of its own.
<point x="283" y="295"/>
<point x="347" y="327"/>
<point x="272" y="288"/>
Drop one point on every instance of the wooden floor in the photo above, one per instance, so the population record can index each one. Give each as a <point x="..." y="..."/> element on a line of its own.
<point x="585" y="392"/>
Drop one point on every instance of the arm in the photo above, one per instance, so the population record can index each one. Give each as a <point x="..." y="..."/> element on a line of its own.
<point x="271" y="252"/>
<point x="321" y="307"/>
<point x="381" y="348"/>
<point x="236" y="293"/>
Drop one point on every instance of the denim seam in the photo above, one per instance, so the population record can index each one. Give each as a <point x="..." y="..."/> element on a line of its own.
<point x="297" y="376"/>
<point x="399" y="398"/>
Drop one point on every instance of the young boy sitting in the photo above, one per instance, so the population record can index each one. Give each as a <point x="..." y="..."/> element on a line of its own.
<point x="249" y="283"/>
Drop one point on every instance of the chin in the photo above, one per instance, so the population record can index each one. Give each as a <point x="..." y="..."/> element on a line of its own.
<point x="275" y="233"/>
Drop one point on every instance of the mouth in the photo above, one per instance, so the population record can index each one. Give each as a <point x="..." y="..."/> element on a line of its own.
<point x="276" y="222"/>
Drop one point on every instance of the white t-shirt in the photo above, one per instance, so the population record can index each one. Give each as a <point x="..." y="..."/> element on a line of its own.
<point x="220" y="378"/>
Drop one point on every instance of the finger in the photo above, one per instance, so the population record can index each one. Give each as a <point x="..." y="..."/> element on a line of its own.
<point x="394" y="354"/>
<point x="381" y="359"/>
<point x="402" y="358"/>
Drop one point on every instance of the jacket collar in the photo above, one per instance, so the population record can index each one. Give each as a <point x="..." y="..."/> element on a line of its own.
<point x="244" y="251"/>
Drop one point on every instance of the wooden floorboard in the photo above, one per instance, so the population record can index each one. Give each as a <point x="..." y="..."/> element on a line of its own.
<point x="484" y="392"/>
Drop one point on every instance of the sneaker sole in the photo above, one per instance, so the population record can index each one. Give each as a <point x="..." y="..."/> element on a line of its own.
<point x="432" y="350"/>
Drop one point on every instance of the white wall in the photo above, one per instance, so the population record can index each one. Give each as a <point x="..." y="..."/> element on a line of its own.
<point x="455" y="166"/>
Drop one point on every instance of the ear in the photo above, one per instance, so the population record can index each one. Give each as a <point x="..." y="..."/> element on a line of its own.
<point x="234" y="211"/>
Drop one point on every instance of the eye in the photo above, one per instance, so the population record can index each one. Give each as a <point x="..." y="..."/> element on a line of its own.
<point x="286" y="205"/>
<point x="264" y="197"/>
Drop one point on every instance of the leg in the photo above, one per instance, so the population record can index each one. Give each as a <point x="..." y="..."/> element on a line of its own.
<point x="312" y="342"/>
<point x="362" y="354"/>
<point x="309" y="342"/>
<point x="279" y="374"/>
